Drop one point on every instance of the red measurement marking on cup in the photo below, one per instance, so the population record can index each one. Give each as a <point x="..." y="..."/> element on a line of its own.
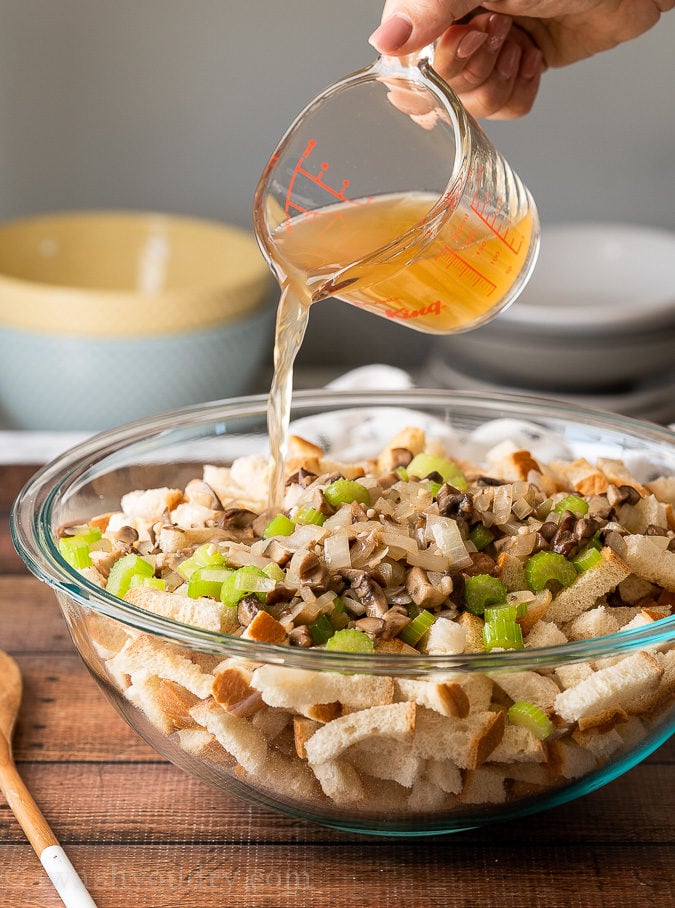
<point x="315" y="178"/>
<point x="513" y="239"/>
<point x="466" y="271"/>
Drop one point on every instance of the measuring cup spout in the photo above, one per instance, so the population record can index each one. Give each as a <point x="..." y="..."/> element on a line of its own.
<point x="400" y="66"/>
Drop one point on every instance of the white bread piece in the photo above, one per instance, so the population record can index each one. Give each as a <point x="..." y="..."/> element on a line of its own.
<point x="518" y="745"/>
<point x="203" y="612"/>
<point x="339" y="781"/>
<point x="634" y="588"/>
<point x="394" y="720"/>
<point x="299" y="689"/>
<point x="445" y="638"/>
<point x="539" y="689"/>
<point x="143" y="694"/>
<point x="544" y="633"/>
<point x="581" y="475"/>
<point x="271" y="722"/>
<point x="107" y="636"/>
<point x="445" y="774"/>
<point x="537" y="607"/>
<point x="473" y="626"/>
<point x="648" y="511"/>
<point x="618" y="473"/>
<point x="145" y="654"/>
<point x="596" y="622"/>
<point x="572" y="674"/>
<point x="664" y="488"/>
<point x="645" y="555"/>
<point x="235" y="735"/>
<point x="664" y="691"/>
<point x="467" y="742"/>
<point x="264" y="628"/>
<point x="568" y="759"/>
<point x="150" y="504"/>
<point x="588" y="587"/>
<point x="385" y="758"/>
<point x="448" y="699"/>
<point x="478" y="688"/>
<point x="426" y="796"/>
<point x="512" y="465"/>
<point x="409" y="438"/>
<point x="511" y="572"/>
<point x="485" y="785"/>
<point x="602" y="744"/>
<point x="93" y="576"/>
<point x="610" y="687"/>
<point x="631" y="731"/>
<point x="196" y="741"/>
<point x="532" y="773"/>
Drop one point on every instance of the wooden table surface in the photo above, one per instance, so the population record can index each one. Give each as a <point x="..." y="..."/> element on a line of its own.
<point x="143" y="833"/>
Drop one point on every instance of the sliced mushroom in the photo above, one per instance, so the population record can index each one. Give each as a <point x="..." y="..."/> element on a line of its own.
<point x="394" y="621"/>
<point x="199" y="492"/>
<point x="369" y="593"/>
<point x="422" y="592"/>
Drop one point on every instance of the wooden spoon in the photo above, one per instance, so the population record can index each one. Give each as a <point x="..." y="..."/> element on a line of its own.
<point x="61" y="872"/>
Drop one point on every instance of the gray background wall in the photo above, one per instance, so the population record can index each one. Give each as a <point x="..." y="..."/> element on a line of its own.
<point x="175" y="105"/>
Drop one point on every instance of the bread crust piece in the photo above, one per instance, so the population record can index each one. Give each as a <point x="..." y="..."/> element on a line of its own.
<point x="610" y="687"/>
<point x="467" y="742"/>
<point x="300" y="690"/>
<point x="203" y="612"/>
<point x="646" y="556"/>
<point x="588" y="587"/>
<point x="395" y="720"/>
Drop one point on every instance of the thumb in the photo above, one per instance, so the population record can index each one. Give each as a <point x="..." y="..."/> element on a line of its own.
<point x="408" y="25"/>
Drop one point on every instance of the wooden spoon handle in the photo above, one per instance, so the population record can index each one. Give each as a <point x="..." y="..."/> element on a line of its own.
<point x="61" y="872"/>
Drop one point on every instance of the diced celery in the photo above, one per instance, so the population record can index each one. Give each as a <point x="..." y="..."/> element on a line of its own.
<point x="124" y="570"/>
<point x="531" y="716"/>
<point x="433" y="487"/>
<point x="402" y="473"/>
<point x="309" y="515"/>
<point x="279" y="526"/>
<point x="587" y="558"/>
<point x="482" y="590"/>
<point x="412" y="633"/>
<point x="75" y="550"/>
<point x="206" y="555"/>
<point x="155" y="583"/>
<point x="273" y="571"/>
<point x="350" y="640"/>
<point x="207" y="582"/>
<point x="339" y="617"/>
<point x="423" y="465"/>
<point x="545" y="567"/>
<point x="508" y="611"/>
<point x="344" y="491"/>
<point x="574" y="503"/>
<point x="481" y="536"/>
<point x="242" y="582"/>
<point x="502" y="634"/>
<point x="321" y="629"/>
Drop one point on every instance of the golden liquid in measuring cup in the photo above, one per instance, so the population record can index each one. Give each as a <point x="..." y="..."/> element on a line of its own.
<point x="450" y="284"/>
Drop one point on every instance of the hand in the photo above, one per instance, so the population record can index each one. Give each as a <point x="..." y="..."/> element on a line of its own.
<point x="493" y="55"/>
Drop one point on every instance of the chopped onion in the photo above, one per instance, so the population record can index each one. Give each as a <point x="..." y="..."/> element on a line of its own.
<point x="501" y="503"/>
<point x="336" y="550"/>
<point x="447" y="536"/>
<point x="428" y="559"/>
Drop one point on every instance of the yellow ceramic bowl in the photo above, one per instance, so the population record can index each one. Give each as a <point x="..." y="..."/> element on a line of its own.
<point x="145" y="311"/>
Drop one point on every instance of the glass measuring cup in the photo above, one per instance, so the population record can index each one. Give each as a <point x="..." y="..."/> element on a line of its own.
<point x="384" y="192"/>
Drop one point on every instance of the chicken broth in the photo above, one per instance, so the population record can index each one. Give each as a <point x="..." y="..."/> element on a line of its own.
<point x="438" y="286"/>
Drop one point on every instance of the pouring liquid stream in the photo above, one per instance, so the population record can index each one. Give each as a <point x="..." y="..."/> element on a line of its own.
<point x="437" y="279"/>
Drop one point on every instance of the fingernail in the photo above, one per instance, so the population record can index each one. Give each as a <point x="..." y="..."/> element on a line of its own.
<point x="470" y="43"/>
<point x="509" y="60"/>
<point x="392" y="34"/>
<point x="531" y="64"/>
<point x="498" y="28"/>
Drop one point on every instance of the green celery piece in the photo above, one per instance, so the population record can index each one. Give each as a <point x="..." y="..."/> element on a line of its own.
<point x="481" y="536"/>
<point x="433" y="487"/>
<point x="155" y="583"/>
<point x="503" y="634"/>
<point x="350" y="640"/>
<point x="587" y="558"/>
<point x="305" y="516"/>
<point x="339" y="617"/>
<point x="279" y="526"/>
<point x="402" y="474"/>
<point x="422" y="465"/>
<point x="531" y="716"/>
<point x="511" y="612"/>
<point x="206" y="555"/>
<point x="274" y="572"/>
<point x="75" y="550"/>
<point x="321" y="630"/>
<point x="482" y="590"/>
<point x="234" y="586"/>
<point x="207" y="582"/>
<point x="124" y="570"/>
<point x="574" y="503"/>
<point x="344" y="491"/>
<point x="544" y="567"/>
<point x="412" y="633"/>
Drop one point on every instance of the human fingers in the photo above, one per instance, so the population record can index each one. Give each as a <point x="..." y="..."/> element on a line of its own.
<point x="464" y="62"/>
<point x="408" y="25"/>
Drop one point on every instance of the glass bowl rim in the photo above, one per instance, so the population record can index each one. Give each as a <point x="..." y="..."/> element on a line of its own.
<point x="32" y="535"/>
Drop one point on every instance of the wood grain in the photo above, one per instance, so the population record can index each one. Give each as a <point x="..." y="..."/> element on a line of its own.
<point x="144" y="834"/>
